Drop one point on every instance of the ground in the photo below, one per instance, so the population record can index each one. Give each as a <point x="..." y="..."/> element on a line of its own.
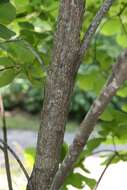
<point x="21" y="139"/>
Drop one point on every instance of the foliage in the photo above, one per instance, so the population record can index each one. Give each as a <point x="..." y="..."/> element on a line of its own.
<point x="29" y="155"/>
<point x="26" y="41"/>
<point x="20" y="121"/>
<point x="22" y="94"/>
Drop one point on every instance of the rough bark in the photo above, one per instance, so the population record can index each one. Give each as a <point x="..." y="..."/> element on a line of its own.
<point x="59" y="85"/>
<point x="118" y="76"/>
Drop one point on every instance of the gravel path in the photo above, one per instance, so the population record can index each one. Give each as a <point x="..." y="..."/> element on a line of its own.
<point x="114" y="179"/>
<point x="29" y="138"/>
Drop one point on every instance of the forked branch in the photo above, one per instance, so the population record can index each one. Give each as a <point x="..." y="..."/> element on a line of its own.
<point x="16" y="157"/>
<point x="118" y="76"/>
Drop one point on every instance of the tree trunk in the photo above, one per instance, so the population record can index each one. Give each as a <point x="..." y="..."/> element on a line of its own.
<point x="58" y="90"/>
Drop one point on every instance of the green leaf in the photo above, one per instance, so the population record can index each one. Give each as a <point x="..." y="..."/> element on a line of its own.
<point x="87" y="78"/>
<point x="74" y="179"/>
<point x="107" y="128"/>
<point x="124" y="107"/>
<point x="120" y="117"/>
<point x="21" y="5"/>
<point x="5" y="61"/>
<point x="6" y="33"/>
<point x="26" y="25"/>
<point x="90" y="182"/>
<point x="92" y="144"/>
<point x="104" y="59"/>
<point x="29" y="155"/>
<point x="20" y="52"/>
<point x="80" y="162"/>
<point x="122" y="92"/>
<point x="6" y="77"/>
<point x="107" y="114"/>
<point x="111" y="27"/>
<point x="117" y="127"/>
<point x="77" y="180"/>
<point x="35" y="73"/>
<point x="123" y="155"/>
<point x="122" y="40"/>
<point x="121" y="131"/>
<point x="4" y="1"/>
<point x="91" y="79"/>
<point x="28" y="35"/>
<point x="28" y="59"/>
<point x="115" y="160"/>
<point x="64" y="151"/>
<point x="31" y="151"/>
<point x="7" y="13"/>
<point x="80" y="159"/>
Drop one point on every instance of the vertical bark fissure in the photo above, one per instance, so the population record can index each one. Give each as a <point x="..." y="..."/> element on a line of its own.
<point x="59" y="86"/>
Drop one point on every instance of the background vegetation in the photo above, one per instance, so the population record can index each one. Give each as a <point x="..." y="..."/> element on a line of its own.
<point x="26" y="41"/>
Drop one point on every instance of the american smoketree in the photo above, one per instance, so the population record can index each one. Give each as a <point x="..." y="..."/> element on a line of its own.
<point x="67" y="56"/>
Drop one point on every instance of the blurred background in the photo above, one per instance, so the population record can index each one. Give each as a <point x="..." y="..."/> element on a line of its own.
<point x="26" y="43"/>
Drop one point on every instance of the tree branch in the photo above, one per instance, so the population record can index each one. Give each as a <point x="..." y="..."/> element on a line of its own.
<point x="59" y="85"/>
<point x="116" y="79"/>
<point x="94" y="25"/>
<point x="16" y="157"/>
<point x="106" y="167"/>
<point x="7" y="164"/>
<point x="6" y="68"/>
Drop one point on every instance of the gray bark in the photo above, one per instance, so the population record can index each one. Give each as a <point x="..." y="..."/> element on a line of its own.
<point x="59" y="85"/>
<point x="67" y="55"/>
<point x="116" y="79"/>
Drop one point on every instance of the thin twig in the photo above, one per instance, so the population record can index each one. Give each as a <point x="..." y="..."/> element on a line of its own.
<point x="10" y="41"/>
<point x="102" y="151"/>
<point x="114" y="144"/>
<point x="94" y="25"/>
<point x="107" y="165"/>
<point x="122" y="9"/>
<point x="36" y="54"/>
<point x="7" y="164"/>
<point x="6" y="68"/>
<point x="17" y="158"/>
<point x="2" y="148"/>
<point x="114" y="82"/>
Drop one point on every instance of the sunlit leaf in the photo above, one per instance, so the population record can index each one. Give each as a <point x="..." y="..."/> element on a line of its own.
<point x="122" y="92"/>
<point x="29" y="154"/>
<point x="111" y="27"/>
<point x="122" y="40"/>
<point x="19" y="50"/>
<point x="107" y="114"/>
